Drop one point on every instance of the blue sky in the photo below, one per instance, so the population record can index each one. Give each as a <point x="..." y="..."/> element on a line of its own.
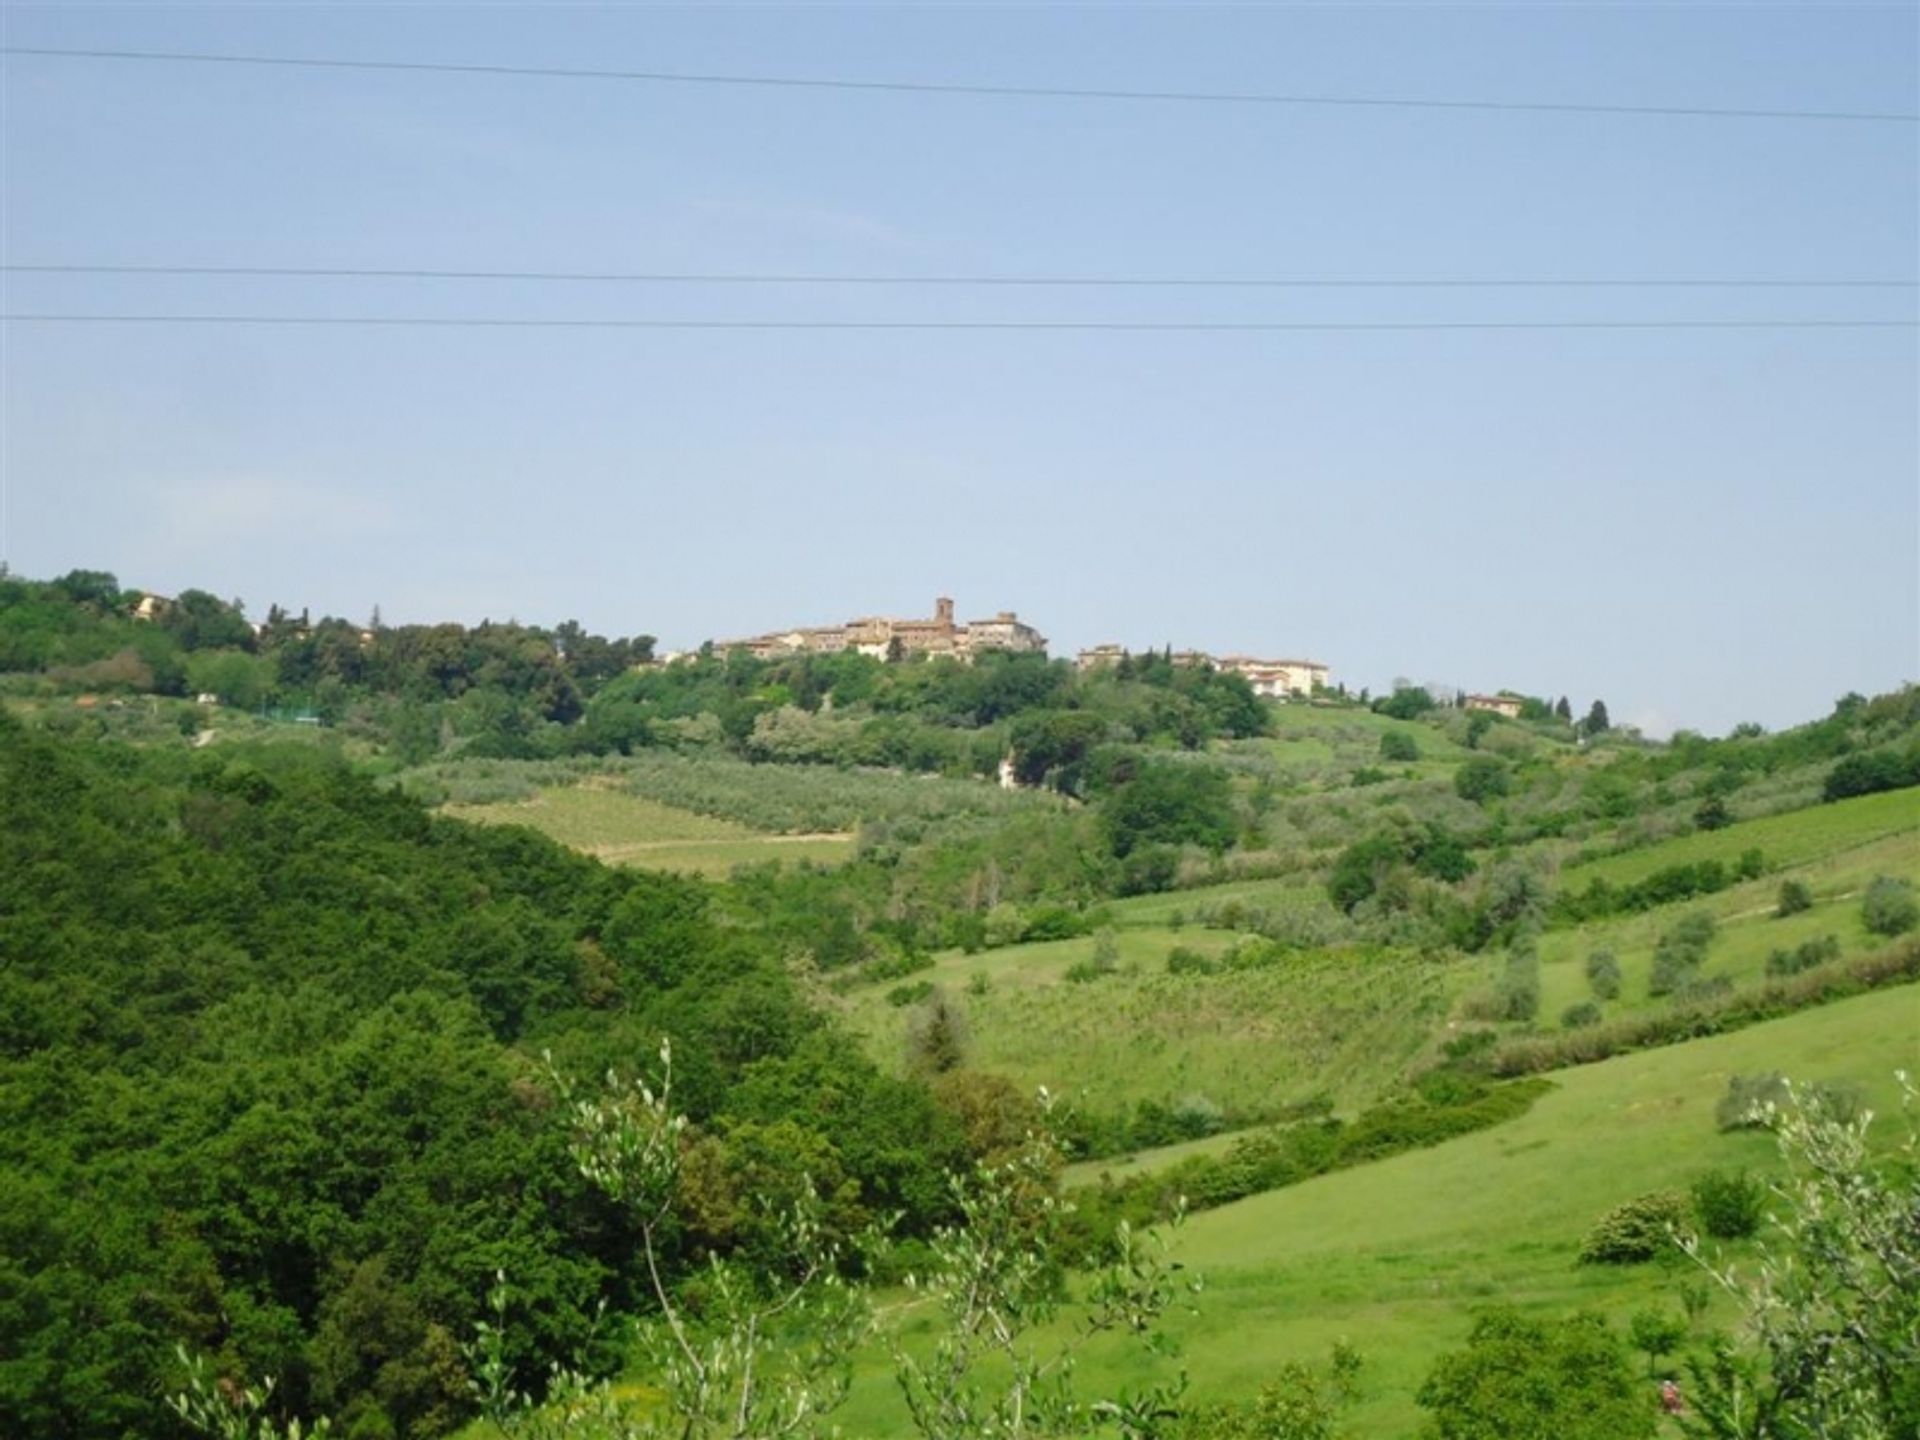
<point x="1701" y="527"/>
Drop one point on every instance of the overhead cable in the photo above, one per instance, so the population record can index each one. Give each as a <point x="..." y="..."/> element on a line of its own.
<point x="932" y="87"/>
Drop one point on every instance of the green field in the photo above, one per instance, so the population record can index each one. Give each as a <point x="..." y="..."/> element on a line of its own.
<point x="1393" y="1256"/>
<point x="1306" y="892"/>
<point x="1319" y="743"/>
<point x="1748" y="927"/>
<point x="1789" y="839"/>
<point x="1336" y="1023"/>
<point x="625" y="829"/>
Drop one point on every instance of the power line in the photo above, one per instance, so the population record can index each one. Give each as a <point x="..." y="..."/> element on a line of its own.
<point x="927" y="87"/>
<point x="303" y="272"/>
<point x="1193" y="326"/>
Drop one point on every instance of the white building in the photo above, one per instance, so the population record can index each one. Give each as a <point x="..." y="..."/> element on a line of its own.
<point x="1277" y="679"/>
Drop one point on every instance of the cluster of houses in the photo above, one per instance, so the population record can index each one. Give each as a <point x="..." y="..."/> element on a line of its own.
<point x="1274" y="679"/>
<point x="885" y="638"/>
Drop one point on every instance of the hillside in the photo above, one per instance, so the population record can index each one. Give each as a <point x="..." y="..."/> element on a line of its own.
<point x="1395" y="1256"/>
<point x="276" y="1002"/>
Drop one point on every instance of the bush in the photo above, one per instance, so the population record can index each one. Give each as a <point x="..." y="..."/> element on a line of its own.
<point x="1752" y="864"/>
<point x="1747" y="1095"/>
<point x="1603" y="975"/>
<point x="1890" y="907"/>
<point x="1398" y="747"/>
<point x="1712" y="814"/>
<point x="1524" y="1379"/>
<point x="1182" y="960"/>
<point x="1795" y="896"/>
<point x="1872" y="771"/>
<point x="1481" y="779"/>
<point x="905" y="995"/>
<point x="1637" y="1231"/>
<point x="1805" y="956"/>
<point x="1701" y="989"/>
<point x="1579" y="1017"/>
<point x="1728" y="1205"/>
<point x="1517" y="996"/>
<point x="1680" y="953"/>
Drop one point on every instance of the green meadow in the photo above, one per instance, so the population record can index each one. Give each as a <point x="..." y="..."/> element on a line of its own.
<point x="1788" y="839"/>
<point x="1335" y="1023"/>
<point x="622" y="828"/>
<point x="1748" y="928"/>
<point x="1395" y="1255"/>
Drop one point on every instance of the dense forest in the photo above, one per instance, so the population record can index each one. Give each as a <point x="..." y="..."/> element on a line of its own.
<point x="270" y="1059"/>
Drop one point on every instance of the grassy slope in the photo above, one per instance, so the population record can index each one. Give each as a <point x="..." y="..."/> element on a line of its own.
<point x="1306" y="735"/>
<point x="624" y="829"/>
<point x="1340" y="1024"/>
<point x="1788" y="839"/>
<point x="1749" y="929"/>
<point x="1394" y="1255"/>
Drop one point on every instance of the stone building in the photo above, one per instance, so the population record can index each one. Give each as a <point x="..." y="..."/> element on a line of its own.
<point x="884" y="637"/>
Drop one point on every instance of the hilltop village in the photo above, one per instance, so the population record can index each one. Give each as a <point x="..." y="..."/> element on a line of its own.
<point x="886" y="638"/>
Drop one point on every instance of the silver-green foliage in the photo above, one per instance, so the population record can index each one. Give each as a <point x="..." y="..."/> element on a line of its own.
<point x="768" y="1358"/>
<point x="225" y="1410"/>
<point x="1830" y="1341"/>
<point x="1001" y="1369"/>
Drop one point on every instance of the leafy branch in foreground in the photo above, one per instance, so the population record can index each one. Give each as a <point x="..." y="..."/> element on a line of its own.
<point x="769" y="1357"/>
<point x="230" y="1411"/>
<point x="1831" y="1337"/>
<point x="996" y="1281"/>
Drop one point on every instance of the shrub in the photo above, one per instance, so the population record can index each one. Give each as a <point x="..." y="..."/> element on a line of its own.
<point x="1182" y="960"/>
<point x="1398" y="747"/>
<point x="905" y="995"/>
<point x="1728" y="1204"/>
<point x="1751" y="865"/>
<point x="1360" y="868"/>
<point x="1871" y="771"/>
<point x="1890" y="907"/>
<point x="1795" y="896"/>
<point x="1700" y="989"/>
<point x="1524" y="1379"/>
<point x="1636" y="1231"/>
<point x="1603" y="975"/>
<point x="1805" y="956"/>
<point x="1579" y="1017"/>
<point x="1517" y="996"/>
<point x="1480" y="779"/>
<point x="1680" y="953"/>
<point x="1747" y="1095"/>
<point x="1712" y="814"/>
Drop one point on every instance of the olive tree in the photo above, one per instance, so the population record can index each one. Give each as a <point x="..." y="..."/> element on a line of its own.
<point x="1829" y="1344"/>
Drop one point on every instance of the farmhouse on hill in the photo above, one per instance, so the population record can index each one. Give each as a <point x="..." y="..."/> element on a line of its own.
<point x="1277" y="679"/>
<point x="1507" y="705"/>
<point x="1274" y="679"/>
<point x="883" y="637"/>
